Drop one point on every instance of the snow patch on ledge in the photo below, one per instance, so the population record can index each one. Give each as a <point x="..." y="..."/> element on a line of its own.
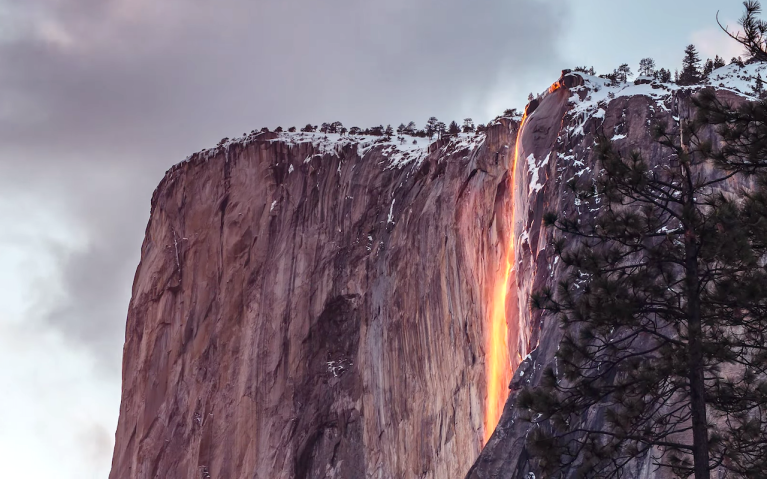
<point x="536" y="183"/>
<point x="591" y="99"/>
<point x="399" y="153"/>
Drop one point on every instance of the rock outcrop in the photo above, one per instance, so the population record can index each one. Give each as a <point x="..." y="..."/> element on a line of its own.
<point x="313" y="306"/>
<point x="555" y="146"/>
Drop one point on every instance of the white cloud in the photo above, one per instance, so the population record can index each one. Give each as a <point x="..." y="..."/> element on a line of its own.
<point x="713" y="41"/>
<point x="54" y="33"/>
<point x="58" y="410"/>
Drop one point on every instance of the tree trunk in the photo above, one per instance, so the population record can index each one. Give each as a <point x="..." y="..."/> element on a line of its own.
<point x="694" y="344"/>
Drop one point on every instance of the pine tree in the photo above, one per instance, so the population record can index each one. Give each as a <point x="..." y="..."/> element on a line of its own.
<point x="664" y="309"/>
<point x="586" y="70"/>
<point x="440" y="128"/>
<point x="613" y="77"/>
<point x="453" y="129"/>
<point x="468" y="125"/>
<point x="431" y="126"/>
<point x="663" y="75"/>
<point x="647" y="67"/>
<point x="718" y="62"/>
<point x="389" y="131"/>
<point x="758" y="87"/>
<point x="708" y="67"/>
<point x="691" y="73"/>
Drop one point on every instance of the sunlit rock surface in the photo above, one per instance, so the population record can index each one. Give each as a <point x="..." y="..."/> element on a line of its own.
<point x="311" y="307"/>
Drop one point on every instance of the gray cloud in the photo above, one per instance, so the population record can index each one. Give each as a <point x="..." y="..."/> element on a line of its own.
<point x="98" y="98"/>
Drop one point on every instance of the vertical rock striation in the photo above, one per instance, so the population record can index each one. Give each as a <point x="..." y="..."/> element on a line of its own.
<point x="310" y="307"/>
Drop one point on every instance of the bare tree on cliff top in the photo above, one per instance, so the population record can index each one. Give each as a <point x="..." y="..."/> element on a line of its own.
<point x="753" y="32"/>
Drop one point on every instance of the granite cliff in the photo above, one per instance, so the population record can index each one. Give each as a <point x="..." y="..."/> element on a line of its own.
<point x="316" y="306"/>
<point x="311" y="306"/>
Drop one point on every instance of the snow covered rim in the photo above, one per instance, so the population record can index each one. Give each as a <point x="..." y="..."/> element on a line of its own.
<point x="591" y="98"/>
<point x="399" y="151"/>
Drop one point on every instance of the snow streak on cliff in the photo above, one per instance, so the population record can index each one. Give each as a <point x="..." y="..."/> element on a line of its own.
<point x="555" y="147"/>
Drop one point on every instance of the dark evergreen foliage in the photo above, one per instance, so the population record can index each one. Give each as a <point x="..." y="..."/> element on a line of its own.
<point x="708" y="67"/>
<point x="664" y="309"/>
<point x="440" y="128"/>
<point x="758" y="88"/>
<point x="376" y="131"/>
<point x="586" y="70"/>
<point x="431" y="126"/>
<point x="647" y="67"/>
<point x="718" y="62"/>
<point x="691" y="73"/>
<point x="663" y="75"/>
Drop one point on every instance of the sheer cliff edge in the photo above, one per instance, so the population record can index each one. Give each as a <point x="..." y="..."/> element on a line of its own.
<point x="319" y="306"/>
<point x="314" y="306"/>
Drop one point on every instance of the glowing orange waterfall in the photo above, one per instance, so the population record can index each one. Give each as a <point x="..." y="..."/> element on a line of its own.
<point x="498" y="363"/>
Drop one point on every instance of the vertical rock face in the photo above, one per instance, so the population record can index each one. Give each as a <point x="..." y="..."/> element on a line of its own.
<point x="554" y="147"/>
<point x="309" y="307"/>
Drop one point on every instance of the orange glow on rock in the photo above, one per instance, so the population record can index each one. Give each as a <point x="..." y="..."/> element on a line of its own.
<point x="497" y="362"/>
<point x="554" y="87"/>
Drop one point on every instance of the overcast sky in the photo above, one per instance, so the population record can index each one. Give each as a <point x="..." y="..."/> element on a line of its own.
<point x="99" y="97"/>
